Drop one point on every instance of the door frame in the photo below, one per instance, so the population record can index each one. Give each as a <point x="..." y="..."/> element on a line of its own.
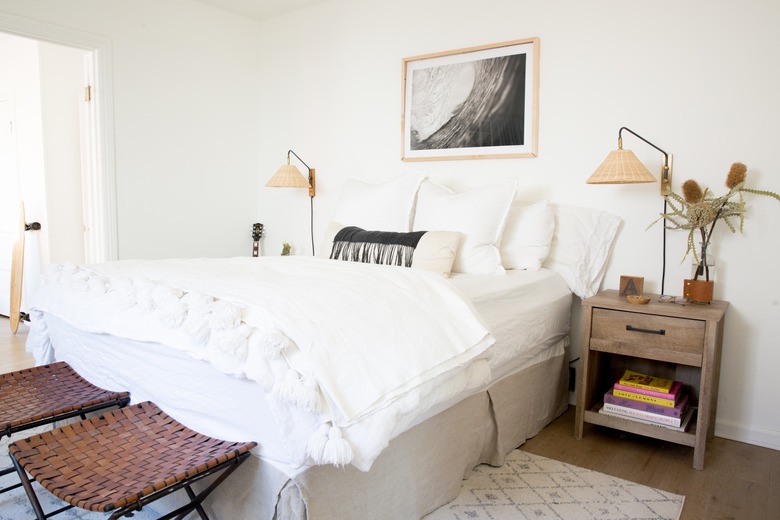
<point x="100" y="167"/>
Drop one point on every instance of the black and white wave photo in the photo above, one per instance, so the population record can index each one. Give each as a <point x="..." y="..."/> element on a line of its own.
<point x="474" y="104"/>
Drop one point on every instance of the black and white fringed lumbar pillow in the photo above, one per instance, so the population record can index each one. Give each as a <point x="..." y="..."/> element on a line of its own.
<point x="430" y="250"/>
<point x="375" y="247"/>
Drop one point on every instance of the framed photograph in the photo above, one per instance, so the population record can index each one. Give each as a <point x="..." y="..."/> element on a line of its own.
<point x="475" y="103"/>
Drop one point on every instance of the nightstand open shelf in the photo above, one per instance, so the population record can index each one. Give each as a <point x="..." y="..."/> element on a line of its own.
<point x="686" y="438"/>
<point x="672" y="341"/>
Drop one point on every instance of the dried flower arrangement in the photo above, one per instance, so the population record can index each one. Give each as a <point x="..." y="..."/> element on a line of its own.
<point x="699" y="210"/>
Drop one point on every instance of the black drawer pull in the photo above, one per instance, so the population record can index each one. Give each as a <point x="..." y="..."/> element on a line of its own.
<point x="660" y="332"/>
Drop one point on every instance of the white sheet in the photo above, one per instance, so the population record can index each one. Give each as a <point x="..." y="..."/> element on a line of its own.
<point x="528" y="312"/>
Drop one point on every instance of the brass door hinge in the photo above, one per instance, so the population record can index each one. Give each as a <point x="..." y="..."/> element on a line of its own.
<point x="88" y="93"/>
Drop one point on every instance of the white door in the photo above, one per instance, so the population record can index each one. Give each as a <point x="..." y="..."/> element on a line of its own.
<point x="9" y="199"/>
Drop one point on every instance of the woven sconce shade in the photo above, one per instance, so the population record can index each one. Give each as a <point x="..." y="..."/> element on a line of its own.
<point x="288" y="176"/>
<point x="621" y="167"/>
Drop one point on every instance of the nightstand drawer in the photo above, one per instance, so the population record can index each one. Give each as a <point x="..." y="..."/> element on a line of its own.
<point x="665" y="338"/>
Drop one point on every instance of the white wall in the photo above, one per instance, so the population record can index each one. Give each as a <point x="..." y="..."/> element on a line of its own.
<point x="186" y="90"/>
<point x="207" y="104"/>
<point x="693" y="77"/>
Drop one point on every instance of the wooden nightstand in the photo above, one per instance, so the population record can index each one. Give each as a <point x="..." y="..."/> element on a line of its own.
<point x="668" y="340"/>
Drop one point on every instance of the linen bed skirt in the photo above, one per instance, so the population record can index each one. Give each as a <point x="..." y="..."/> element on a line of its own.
<point x="421" y="469"/>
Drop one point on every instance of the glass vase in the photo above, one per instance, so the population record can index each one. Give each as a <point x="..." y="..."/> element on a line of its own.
<point x="704" y="269"/>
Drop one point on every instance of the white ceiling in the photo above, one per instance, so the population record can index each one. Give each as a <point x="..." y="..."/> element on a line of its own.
<point x="261" y="9"/>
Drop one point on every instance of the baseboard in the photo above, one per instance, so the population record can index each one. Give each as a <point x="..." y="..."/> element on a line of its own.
<point x="748" y="434"/>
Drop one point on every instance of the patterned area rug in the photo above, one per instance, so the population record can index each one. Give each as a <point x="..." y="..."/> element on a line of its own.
<point x="528" y="486"/>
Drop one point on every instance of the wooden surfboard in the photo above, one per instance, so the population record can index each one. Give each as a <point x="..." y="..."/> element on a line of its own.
<point x="17" y="271"/>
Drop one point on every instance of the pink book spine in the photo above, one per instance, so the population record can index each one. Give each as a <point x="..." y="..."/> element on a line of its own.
<point x="673" y="391"/>
<point x="675" y="412"/>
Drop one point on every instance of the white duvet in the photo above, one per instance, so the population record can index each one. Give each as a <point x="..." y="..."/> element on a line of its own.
<point x="346" y="352"/>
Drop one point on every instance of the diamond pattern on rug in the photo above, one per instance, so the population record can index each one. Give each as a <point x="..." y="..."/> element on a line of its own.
<point x="528" y="486"/>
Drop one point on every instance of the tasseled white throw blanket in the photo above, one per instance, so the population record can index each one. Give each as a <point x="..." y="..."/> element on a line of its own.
<point x="348" y="353"/>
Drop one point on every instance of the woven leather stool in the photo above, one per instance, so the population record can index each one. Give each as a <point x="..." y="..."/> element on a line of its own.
<point x="46" y="394"/>
<point x="123" y="460"/>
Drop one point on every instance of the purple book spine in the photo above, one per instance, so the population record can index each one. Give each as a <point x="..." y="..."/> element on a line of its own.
<point x="676" y="412"/>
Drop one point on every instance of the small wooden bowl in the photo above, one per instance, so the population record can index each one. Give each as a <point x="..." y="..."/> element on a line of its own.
<point x="637" y="299"/>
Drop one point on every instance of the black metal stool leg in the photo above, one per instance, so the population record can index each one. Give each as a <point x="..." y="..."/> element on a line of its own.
<point x="36" y="505"/>
<point x="31" y="495"/>
<point x="197" y="502"/>
<point x="8" y="470"/>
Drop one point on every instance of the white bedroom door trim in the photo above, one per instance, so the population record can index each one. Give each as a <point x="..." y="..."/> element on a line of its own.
<point x="100" y="170"/>
<point x="91" y="185"/>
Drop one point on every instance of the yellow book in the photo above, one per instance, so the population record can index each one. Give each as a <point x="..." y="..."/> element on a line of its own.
<point x="637" y="380"/>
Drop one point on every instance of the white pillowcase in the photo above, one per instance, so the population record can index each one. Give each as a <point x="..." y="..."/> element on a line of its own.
<point x="479" y="214"/>
<point x="436" y="252"/>
<point x="327" y="241"/>
<point x="527" y="236"/>
<point x="386" y="206"/>
<point x="581" y="246"/>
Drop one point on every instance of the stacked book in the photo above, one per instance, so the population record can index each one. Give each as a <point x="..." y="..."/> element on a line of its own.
<point x="650" y="400"/>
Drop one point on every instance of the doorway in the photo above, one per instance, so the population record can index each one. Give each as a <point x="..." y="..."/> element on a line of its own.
<point x="41" y="161"/>
<point x="89" y="142"/>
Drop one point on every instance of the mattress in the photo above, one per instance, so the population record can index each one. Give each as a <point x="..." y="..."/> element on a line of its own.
<point x="526" y="311"/>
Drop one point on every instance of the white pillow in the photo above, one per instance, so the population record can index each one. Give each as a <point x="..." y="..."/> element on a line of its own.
<point x="386" y="206"/>
<point x="581" y="246"/>
<point x="479" y="214"/>
<point x="436" y="252"/>
<point x="528" y="234"/>
<point x="327" y="241"/>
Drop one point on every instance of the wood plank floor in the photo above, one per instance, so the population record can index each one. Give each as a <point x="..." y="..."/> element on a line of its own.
<point x="739" y="481"/>
<point x="12" y="353"/>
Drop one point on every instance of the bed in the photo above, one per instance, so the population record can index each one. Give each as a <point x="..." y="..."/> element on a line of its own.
<point x="372" y="389"/>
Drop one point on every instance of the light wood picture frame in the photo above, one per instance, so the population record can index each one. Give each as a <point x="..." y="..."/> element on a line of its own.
<point x="475" y="103"/>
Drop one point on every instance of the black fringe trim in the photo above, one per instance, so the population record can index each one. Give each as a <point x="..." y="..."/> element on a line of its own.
<point x="375" y="247"/>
